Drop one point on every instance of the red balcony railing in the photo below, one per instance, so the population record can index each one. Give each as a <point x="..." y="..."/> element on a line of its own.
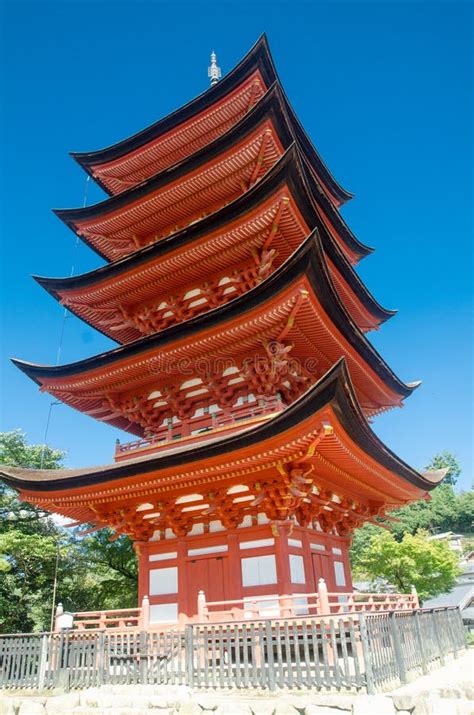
<point x="297" y="605"/>
<point x="201" y="428"/>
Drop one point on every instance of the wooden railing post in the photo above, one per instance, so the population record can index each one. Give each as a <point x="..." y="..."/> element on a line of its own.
<point x="416" y="602"/>
<point x="270" y="670"/>
<point x="144" y="619"/>
<point x="323" y="598"/>
<point x="419" y="638"/>
<point x="143" y="657"/>
<point x="364" y="637"/>
<point x="437" y="637"/>
<point x="189" y="655"/>
<point x="45" y="640"/>
<point x="59" y="612"/>
<point x="397" y="647"/>
<point x="201" y="606"/>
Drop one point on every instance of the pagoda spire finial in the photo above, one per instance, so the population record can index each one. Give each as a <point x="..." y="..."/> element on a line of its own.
<point x="213" y="71"/>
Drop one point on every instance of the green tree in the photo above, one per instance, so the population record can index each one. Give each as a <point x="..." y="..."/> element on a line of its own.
<point x="444" y="460"/>
<point x="115" y="567"/>
<point x="15" y="452"/>
<point x="430" y="566"/>
<point x="92" y="572"/>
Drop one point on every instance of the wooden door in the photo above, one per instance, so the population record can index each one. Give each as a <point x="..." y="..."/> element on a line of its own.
<point x="322" y="569"/>
<point x="205" y="575"/>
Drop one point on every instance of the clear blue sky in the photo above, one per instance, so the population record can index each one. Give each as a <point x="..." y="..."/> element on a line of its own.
<point x="383" y="89"/>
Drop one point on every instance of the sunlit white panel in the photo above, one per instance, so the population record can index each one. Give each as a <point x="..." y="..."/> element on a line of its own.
<point x="259" y="570"/>
<point x="207" y="550"/>
<point x="297" y="569"/>
<point x="164" y="581"/>
<point x="257" y="543"/>
<point x="164" y="613"/>
<point x="339" y="573"/>
<point x="294" y="542"/>
<point x="164" y="557"/>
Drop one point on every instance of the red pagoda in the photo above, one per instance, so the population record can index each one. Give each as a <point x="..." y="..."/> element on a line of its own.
<point x="242" y="365"/>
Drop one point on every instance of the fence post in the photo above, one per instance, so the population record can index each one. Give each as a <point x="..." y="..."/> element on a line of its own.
<point x="42" y="663"/>
<point x="101" y="658"/>
<point x="201" y="606"/>
<point x="323" y="598"/>
<point x="145" y="614"/>
<point x="397" y="647"/>
<point x="59" y="612"/>
<point x="189" y="655"/>
<point x="369" y="675"/>
<point x="421" y="649"/>
<point x="438" y="639"/>
<point x="62" y="672"/>
<point x="269" y="652"/>
<point x="143" y="657"/>
<point x="416" y="600"/>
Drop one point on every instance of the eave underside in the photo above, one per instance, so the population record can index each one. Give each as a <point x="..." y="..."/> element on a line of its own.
<point x="224" y="170"/>
<point x="163" y="143"/>
<point x="285" y="313"/>
<point x="316" y="460"/>
<point x="143" y="299"/>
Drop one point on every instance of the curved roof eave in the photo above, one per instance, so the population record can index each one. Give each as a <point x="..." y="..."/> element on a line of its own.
<point x="259" y="57"/>
<point x="307" y="260"/>
<point x="271" y="105"/>
<point x="334" y="389"/>
<point x="288" y="168"/>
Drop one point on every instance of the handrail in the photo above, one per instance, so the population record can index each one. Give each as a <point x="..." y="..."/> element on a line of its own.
<point x="324" y="603"/>
<point x="295" y="605"/>
<point x="206" y="423"/>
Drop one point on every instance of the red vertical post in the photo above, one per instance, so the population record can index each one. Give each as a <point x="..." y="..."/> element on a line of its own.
<point x="183" y="606"/>
<point x="233" y="585"/>
<point x="283" y="569"/>
<point x="142" y="552"/>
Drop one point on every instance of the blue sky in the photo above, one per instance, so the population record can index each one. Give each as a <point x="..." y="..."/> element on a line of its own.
<point x="384" y="91"/>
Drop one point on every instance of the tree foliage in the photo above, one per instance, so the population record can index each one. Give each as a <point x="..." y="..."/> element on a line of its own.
<point x="430" y="566"/>
<point x="444" y="460"/>
<point x="15" y="452"/>
<point x="445" y="510"/>
<point x="92" y="572"/>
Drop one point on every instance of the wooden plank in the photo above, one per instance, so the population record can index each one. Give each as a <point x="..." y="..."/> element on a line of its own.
<point x="347" y="678"/>
<point x="288" y="658"/>
<point x="269" y="656"/>
<point x="317" y="660"/>
<point x="296" y="646"/>
<point x="245" y="656"/>
<point x="279" y="655"/>
<point x="307" y="661"/>
<point x="356" y="652"/>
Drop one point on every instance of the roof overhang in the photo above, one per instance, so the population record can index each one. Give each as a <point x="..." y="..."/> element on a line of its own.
<point x="320" y="330"/>
<point x="324" y="432"/>
<point x="257" y="62"/>
<point x="97" y="224"/>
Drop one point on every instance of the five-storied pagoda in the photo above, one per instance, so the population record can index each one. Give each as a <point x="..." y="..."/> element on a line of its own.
<point x="242" y="368"/>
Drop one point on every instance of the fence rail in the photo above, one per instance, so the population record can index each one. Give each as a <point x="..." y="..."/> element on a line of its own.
<point x="368" y="651"/>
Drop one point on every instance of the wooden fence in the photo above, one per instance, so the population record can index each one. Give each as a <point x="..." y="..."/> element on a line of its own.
<point x="82" y="659"/>
<point x="363" y="651"/>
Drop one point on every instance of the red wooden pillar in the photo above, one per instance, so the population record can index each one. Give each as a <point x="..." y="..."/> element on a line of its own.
<point x="347" y="563"/>
<point x="283" y="568"/>
<point x="233" y="587"/>
<point x="142" y="552"/>
<point x="311" y="585"/>
<point x="183" y="608"/>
